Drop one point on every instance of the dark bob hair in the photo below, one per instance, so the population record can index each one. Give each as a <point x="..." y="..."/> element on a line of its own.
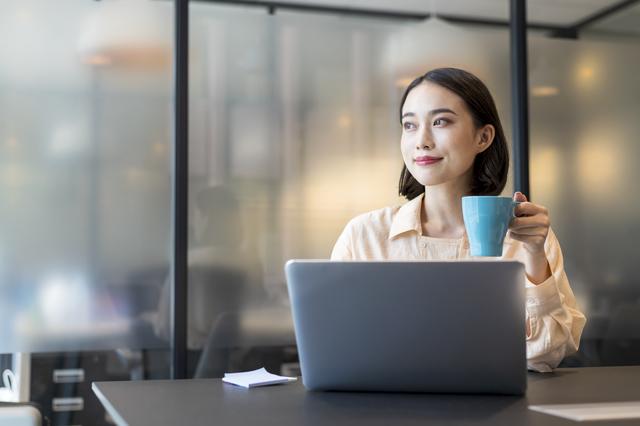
<point x="490" y="167"/>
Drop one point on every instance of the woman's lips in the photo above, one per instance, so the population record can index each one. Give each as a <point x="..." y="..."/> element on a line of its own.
<point x="425" y="161"/>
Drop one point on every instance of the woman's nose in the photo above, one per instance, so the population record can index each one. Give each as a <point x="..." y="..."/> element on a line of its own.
<point x="424" y="141"/>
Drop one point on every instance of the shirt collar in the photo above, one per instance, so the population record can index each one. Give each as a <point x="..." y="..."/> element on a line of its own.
<point x="407" y="218"/>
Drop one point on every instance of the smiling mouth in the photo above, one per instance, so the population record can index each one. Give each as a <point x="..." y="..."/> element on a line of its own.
<point x="425" y="161"/>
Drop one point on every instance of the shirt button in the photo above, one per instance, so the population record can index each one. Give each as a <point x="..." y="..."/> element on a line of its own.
<point x="531" y="301"/>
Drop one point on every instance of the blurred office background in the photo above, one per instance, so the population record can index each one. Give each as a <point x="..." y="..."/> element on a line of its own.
<point x="293" y="130"/>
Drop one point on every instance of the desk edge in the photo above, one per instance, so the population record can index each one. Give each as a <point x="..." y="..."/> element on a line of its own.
<point x="107" y="405"/>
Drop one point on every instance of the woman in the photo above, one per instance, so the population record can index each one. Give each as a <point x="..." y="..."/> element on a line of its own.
<point x="453" y="145"/>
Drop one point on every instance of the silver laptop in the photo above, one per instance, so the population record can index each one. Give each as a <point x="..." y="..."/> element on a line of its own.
<point x="443" y="327"/>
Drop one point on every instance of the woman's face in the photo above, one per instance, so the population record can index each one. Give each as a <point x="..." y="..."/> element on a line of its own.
<point x="439" y="138"/>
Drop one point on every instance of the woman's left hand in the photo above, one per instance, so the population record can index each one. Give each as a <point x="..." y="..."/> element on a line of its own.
<point x="531" y="227"/>
<point x="531" y="224"/>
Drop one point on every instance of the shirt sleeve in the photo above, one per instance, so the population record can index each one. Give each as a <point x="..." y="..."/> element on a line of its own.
<point x="343" y="249"/>
<point x="555" y="322"/>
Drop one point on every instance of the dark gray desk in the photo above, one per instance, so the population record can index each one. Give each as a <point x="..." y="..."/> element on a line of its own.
<point x="211" y="402"/>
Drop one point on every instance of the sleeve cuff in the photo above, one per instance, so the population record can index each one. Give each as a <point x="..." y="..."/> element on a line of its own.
<point x="542" y="298"/>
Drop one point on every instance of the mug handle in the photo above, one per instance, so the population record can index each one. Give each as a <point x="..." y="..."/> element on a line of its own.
<point x="514" y="204"/>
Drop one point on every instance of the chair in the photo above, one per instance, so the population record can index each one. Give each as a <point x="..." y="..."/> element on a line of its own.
<point x="19" y="414"/>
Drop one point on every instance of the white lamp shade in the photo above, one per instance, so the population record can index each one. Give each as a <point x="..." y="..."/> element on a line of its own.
<point x="127" y="33"/>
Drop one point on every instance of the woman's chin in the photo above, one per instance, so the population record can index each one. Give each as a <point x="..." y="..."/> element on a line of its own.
<point x="428" y="180"/>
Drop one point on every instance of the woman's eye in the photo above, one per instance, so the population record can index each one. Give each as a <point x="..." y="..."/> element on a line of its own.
<point x="409" y="126"/>
<point x="439" y="122"/>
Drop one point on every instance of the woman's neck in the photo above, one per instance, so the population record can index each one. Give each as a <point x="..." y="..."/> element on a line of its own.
<point x="442" y="211"/>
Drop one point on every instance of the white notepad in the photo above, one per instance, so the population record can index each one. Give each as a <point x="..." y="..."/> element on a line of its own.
<point x="592" y="411"/>
<point x="259" y="377"/>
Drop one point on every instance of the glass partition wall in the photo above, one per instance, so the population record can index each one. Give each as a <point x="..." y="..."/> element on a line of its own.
<point x="295" y="119"/>
<point x="294" y="131"/>
<point x="85" y="195"/>
<point x="584" y="127"/>
<point x="85" y="133"/>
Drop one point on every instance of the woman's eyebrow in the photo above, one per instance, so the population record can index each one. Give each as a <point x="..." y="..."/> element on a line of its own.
<point x="432" y="112"/>
<point x="441" y="110"/>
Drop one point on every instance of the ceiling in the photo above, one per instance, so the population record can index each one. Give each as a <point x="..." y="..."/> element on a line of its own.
<point x="627" y="21"/>
<point x="549" y="12"/>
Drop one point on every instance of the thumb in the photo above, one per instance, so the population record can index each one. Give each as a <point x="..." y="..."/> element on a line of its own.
<point x="519" y="196"/>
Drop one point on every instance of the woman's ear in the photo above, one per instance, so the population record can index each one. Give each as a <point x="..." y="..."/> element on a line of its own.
<point x="484" y="137"/>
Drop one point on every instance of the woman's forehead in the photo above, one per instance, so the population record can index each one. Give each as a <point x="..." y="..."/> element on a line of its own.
<point x="427" y="96"/>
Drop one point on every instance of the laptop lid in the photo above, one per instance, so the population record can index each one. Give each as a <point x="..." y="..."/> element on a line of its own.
<point x="445" y="327"/>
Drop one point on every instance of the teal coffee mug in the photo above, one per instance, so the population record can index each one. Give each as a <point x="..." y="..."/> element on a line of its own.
<point x="486" y="219"/>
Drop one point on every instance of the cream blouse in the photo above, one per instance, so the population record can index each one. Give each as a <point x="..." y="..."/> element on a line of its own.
<point x="555" y="322"/>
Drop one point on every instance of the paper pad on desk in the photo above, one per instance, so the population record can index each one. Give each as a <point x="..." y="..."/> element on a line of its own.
<point x="259" y="377"/>
<point x="592" y="411"/>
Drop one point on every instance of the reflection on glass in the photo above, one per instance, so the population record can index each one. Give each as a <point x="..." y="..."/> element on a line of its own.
<point x="223" y="271"/>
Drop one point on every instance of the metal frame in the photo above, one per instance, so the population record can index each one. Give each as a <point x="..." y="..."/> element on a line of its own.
<point x="180" y="193"/>
<point x="519" y="96"/>
<point x="570" y="31"/>
<point x="573" y="31"/>
<point x="273" y="6"/>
